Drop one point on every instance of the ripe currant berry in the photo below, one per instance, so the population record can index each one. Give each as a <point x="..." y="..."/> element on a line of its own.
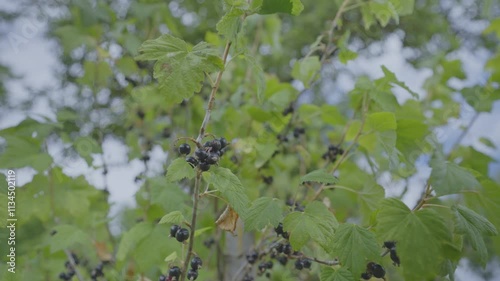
<point x="247" y="278"/>
<point x="204" y="166"/>
<point x="269" y="264"/>
<point x="63" y="276"/>
<point x="201" y="154"/>
<point x="174" y="271"/>
<point x="299" y="265"/>
<point x="215" y="145"/>
<point x="375" y="269"/>
<point x="184" y="149"/>
<point x="162" y="278"/>
<point x="279" y="229"/>
<point x="306" y="263"/>
<point x="279" y="248"/>
<point x="283" y="260"/>
<point x="223" y="142"/>
<point x="366" y="276"/>
<point x="140" y="113"/>
<point x="213" y="158"/>
<point x="262" y="266"/>
<point x="192" y="161"/>
<point x="287" y="249"/>
<point x="182" y="235"/>
<point x="252" y="257"/>
<point x="196" y="263"/>
<point x="192" y="274"/>
<point x="173" y="230"/>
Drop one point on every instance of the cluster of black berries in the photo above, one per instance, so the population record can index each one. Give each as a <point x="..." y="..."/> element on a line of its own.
<point x="373" y="269"/>
<point x="70" y="270"/>
<point x="332" y="153"/>
<point x="181" y="234"/>
<point x="206" y="156"/>
<point x="279" y="231"/>
<point x="302" y="263"/>
<point x="263" y="266"/>
<point x="173" y="274"/>
<point x="297" y="132"/>
<point x="97" y="272"/>
<point x="391" y="246"/>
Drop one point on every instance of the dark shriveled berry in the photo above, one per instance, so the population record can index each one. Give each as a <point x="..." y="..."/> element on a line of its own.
<point x="282" y="260"/>
<point x="287" y="249"/>
<point x="173" y="230"/>
<point x="395" y="258"/>
<point x="175" y="271"/>
<point x="182" y="235"/>
<point x="391" y="245"/>
<point x="184" y="149"/>
<point x="192" y="274"/>
<point x="262" y="266"/>
<point x="162" y="278"/>
<point x="375" y="269"/>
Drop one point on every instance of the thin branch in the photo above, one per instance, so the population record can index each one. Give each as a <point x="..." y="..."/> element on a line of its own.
<point x="73" y="264"/>
<point x="215" y="87"/>
<point x="197" y="184"/>
<point x="425" y="196"/>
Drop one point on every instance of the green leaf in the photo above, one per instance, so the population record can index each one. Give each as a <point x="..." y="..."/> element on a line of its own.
<point x="24" y="152"/>
<point x="381" y="121"/>
<point x="180" y="68"/>
<point x="473" y="226"/>
<point x="330" y="274"/>
<point x="230" y="23"/>
<point x="263" y="211"/>
<point x="449" y="178"/>
<point x="230" y="188"/>
<point x="306" y="69"/>
<point x="403" y="7"/>
<point x="171" y="257"/>
<point x="67" y="236"/>
<point x="355" y="247"/>
<point x="200" y="231"/>
<point x="175" y="217"/>
<point x="493" y="27"/>
<point x="316" y="223"/>
<point x="293" y="7"/>
<point x="320" y="176"/>
<point x="180" y="169"/>
<point x="346" y="55"/>
<point x="132" y="237"/>
<point x="391" y="78"/>
<point x="383" y="12"/>
<point x="258" y="74"/>
<point x="419" y="235"/>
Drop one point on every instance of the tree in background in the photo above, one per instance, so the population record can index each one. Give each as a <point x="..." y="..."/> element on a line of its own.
<point x="266" y="177"/>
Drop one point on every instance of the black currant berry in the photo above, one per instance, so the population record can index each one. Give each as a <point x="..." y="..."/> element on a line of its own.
<point x="213" y="158"/>
<point x="201" y="154"/>
<point x="63" y="276"/>
<point x="173" y="230"/>
<point x="184" y="149"/>
<point x="375" y="269"/>
<point x="196" y="263"/>
<point x="223" y="142"/>
<point x="182" y="235"/>
<point x="192" y="274"/>
<point x="262" y="266"/>
<point x="215" y="145"/>
<point x="247" y="278"/>
<point x="209" y="242"/>
<point x="252" y="257"/>
<point x="162" y="278"/>
<point x="299" y="264"/>
<point x="268" y="180"/>
<point x="285" y="235"/>
<point x="279" y="248"/>
<point x="192" y="161"/>
<point x="175" y="271"/>
<point x="204" y="166"/>
<point x="306" y="263"/>
<point x="283" y="260"/>
<point x="279" y="229"/>
<point x="287" y="249"/>
<point x="366" y="276"/>
<point x="269" y="264"/>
